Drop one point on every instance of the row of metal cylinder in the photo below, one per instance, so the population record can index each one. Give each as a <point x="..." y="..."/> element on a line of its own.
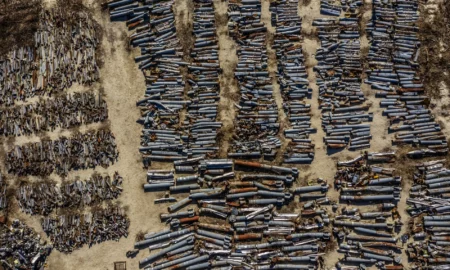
<point x="338" y="72"/>
<point x="69" y="232"/>
<point x="256" y="126"/>
<point x="64" y="111"/>
<point x="429" y="209"/>
<point x="180" y="104"/>
<point x="369" y="237"/>
<point x="42" y="198"/>
<point x="78" y="152"/>
<point x="332" y="8"/>
<point x="293" y="81"/>
<point x="3" y="196"/>
<point x="164" y="135"/>
<point x="63" y="53"/>
<point x="204" y="83"/>
<point x="394" y="74"/>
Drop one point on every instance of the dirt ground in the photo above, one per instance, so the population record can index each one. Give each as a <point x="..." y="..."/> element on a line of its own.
<point x="123" y="84"/>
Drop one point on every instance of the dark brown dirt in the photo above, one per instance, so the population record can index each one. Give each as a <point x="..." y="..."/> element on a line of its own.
<point x="19" y="20"/>
<point x="433" y="66"/>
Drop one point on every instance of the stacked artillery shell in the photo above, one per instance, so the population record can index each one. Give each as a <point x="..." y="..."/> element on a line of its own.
<point x="63" y="54"/>
<point x="21" y="247"/>
<point x="3" y="198"/>
<point x="42" y="198"/>
<point x="293" y="81"/>
<point x="257" y="124"/>
<point x="394" y="73"/>
<point x="72" y="231"/>
<point x="204" y="82"/>
<point x="81" y="151"/>
<point x="429" y="206"/>
<point x="368" y="237"/>
<point x="161" y="63"/>
<point x="339" y="70"/>
<point x="236" y="222"/>
<point x="330" y="8"/>
<point x="61" y="112"/>
<point x="356" y="177"/>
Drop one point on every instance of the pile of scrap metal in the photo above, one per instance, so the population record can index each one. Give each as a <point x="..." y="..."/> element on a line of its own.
<point x="3" y="195"/>
<point x="72" y="231"/>
<point x="21" y="247"/>
<point x="42" y="198"/>
<point x="235" y="208"/>
<point x="163" y="138"/>
<point x="394" y="73"/>
<point x="338" y="72"/>
<point x="257" y="126"/>
<point x="81" y="151"/>
<point x="64" y="53"/>
<point x="293" y="81"/>
<point x="203" y="79"/>
<point x="357" y="176"/>
<point x="65" y="111"/>
<point x="334" y="7"/>
<point x="368" y="237"/>
<point x="429" y="207"/>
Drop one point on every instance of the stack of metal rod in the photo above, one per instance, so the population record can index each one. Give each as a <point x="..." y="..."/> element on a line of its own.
<point x="344" y="113"/>
<point x="293" y="80"/>
<point x="64" y="111"/>
<point x="21" y="247"/>
<point x="204" y="83"/>
<point x="330" y="8"/>
<point x="257" y="123"/>
<point x="42" y="198"/>
<point x="368" y="237"/>
<point x="81" y="151"/>
<point x="3" y="196"/>
<point x="429" y="206"/>
<point x="64" y="53"/>
<point x="356" y="177"/>
<point x="237" y="221"/>
<point x="394" y="73"/>
<point x="163" y="138"/>
<point x="72" y="231"/>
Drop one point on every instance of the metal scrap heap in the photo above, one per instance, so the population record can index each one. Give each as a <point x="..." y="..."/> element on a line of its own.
<point x="240" y="219"/>
<point x="21" y="247"/>
<point x="293" y="81"/>
<point x="201" y="117"/>
<point x="161" y="63"/>
<point x="42" y="198"/>
<point x="257" y="126"/>
<point x="64" y="111"/>
<point x="339" y="71"/>
<point x="62" y="55"/>
<point x="81" y="151"/>
<point x="394" y="73"/>
<point x="3" y="196"/>
<point x="429" y="208"/>
<point x="72" y="231"/>
<point x="368" y="237"/>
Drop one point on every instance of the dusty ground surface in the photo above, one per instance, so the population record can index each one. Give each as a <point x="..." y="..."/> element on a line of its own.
<point x="123" y="84"/>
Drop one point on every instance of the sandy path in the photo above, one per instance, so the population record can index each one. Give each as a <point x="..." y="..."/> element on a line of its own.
<point x="123" y="84"/>
<point x="273" y="70"/>
<point x="229" y="91"/>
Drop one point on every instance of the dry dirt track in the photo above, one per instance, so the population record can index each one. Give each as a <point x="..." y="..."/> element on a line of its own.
<point x="123" y="84"/>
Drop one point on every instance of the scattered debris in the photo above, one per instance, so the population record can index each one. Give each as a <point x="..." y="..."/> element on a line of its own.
<point x="71" y="231"/>
<point x="81" y="151"/>
<point x="42" y="198"/>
